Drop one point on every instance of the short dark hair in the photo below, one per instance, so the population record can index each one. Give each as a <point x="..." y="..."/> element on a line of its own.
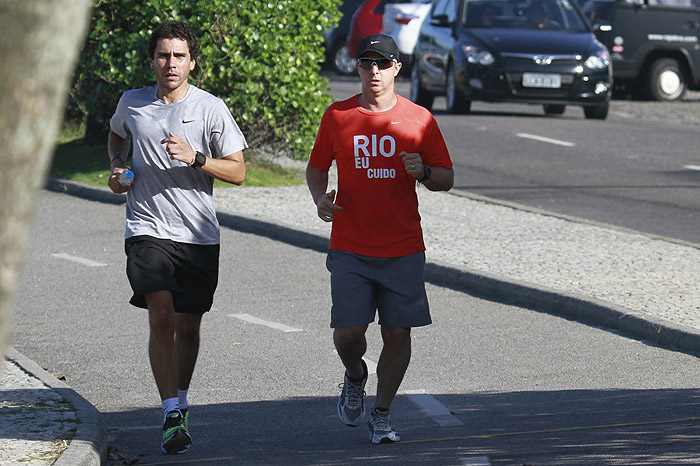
<point x="173" y="30"/>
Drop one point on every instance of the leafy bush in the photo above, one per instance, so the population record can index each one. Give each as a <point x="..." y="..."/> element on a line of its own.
<point x="261" y="57"/>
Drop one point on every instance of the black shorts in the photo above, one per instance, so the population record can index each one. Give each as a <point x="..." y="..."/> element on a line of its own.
<point x="189" y="271"/>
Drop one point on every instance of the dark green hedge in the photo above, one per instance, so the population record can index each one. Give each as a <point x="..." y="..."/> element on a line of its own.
<point x="261" y="57"/>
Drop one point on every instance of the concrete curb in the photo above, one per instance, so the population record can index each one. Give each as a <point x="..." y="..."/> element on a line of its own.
<point x="570" y="305"/>
<point x="89" y="444"/>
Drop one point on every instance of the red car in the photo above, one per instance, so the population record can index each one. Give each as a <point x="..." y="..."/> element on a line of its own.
<point x="367" y="20"/>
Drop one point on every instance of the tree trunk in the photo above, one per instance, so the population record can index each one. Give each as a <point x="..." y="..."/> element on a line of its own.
<point x="40" y="41"/>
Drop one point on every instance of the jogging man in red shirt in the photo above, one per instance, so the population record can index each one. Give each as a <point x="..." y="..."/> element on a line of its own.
<point x="382" y="144"/>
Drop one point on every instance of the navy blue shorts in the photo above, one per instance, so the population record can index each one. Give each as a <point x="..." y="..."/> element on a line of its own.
<point x="189" y="271"/>
<point x="394" y="287"/>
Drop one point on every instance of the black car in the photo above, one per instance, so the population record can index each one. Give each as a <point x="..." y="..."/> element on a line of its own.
<point x="654" y="44"/>
<point x="336" y="49"/>
<point x="529" y="51"/>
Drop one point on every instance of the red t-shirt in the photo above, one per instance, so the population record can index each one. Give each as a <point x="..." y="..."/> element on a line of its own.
<point x="380" y="206"/>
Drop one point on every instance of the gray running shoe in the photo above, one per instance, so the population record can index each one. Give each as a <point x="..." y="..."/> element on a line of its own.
<point x="380" y="430"/>
<point x="351" y="404"/>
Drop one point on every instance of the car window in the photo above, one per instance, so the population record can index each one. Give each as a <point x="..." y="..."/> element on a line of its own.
<point x="439" y="9"/>
<point x="522" y="14"/>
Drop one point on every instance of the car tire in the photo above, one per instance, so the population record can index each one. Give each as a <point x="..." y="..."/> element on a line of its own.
<point x="419" y="94"/>
<point x="666" y="81"/>
<point x="598" y="112"/>
<point x="554" y="109"/>
<point x="456" y="104"/>
<point x="341" y="62"/>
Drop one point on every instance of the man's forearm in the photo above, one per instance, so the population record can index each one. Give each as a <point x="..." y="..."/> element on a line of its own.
<point x="317" y="181"/>
<point x="229" y="169"/>
<point x="116" y="148"/>
<point x="441" y="179"/>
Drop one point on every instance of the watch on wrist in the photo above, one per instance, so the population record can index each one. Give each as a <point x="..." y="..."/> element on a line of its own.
<point x="199" y="160"/>
<point x="426" y="174"/>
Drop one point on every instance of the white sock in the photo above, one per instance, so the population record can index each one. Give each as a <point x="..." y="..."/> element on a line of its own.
<point x="182" y="399"/>
<point x="169" y="404"/>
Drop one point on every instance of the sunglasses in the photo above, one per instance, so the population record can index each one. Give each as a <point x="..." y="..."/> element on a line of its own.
<point x="368" y="63"/>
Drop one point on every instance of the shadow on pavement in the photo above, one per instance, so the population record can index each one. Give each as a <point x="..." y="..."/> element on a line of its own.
<point x="571" y="427"/>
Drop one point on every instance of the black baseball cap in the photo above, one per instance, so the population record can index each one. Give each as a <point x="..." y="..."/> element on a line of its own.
<point x="380" y="43"/>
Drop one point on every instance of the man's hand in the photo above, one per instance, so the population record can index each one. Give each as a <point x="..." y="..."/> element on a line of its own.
<point x="413" y="164"/>
<point x="178" y="149"/>
<point x="326" y="206"/>
<point x="113" y="182"/>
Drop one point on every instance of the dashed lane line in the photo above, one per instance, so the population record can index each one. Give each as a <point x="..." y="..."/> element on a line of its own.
<point x="266" y="323"/>
<point x="433" y="408"/>
<point x="79" y="260"/>
<point x="535" y="137"/>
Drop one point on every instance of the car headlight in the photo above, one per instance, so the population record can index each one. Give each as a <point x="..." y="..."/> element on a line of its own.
<point x="599" y="61"/>
<point x="476" y="56"/>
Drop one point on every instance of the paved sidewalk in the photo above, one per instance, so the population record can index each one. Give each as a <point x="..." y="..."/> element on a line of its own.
<point x="43" y="421"/>
<point x="644" y="286"/>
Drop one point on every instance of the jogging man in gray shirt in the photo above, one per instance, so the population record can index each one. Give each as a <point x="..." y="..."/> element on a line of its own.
<point x="182" y="138"/>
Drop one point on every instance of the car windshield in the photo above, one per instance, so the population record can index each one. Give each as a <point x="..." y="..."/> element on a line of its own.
<point x="558" y="15"/>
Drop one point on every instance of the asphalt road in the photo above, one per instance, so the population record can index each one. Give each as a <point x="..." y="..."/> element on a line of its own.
<point x="638" y="169"/>
<point x="489" y="384"/>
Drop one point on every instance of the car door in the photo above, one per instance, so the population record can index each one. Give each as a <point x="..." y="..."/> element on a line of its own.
<point x="437" y="36"/>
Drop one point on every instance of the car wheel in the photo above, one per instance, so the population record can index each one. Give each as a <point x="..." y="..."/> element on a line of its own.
<point x="554" y="109"/>
<point x="666" y="81"/>
<point x="342" y="62"/>
<point x="454" y="100"/>
<point x="599" y="112"/>
<point x="419" y="94"/>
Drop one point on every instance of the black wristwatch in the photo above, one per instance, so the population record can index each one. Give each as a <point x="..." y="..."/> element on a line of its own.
<point x="426" y="174"/>
<point x="199" y="160"/>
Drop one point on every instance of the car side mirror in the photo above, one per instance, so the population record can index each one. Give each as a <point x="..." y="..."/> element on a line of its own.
<point x="441" y="21"/>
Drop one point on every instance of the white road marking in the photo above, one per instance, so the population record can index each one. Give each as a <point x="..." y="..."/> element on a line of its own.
<point x="433" y="408"/>
<point x="371" y="365"/>
<point x="692" y="167"/>
<point x="544" y="139"/>
<point x="79" y="260"/>
<point x="476" y="461"/>
<point x="267" y="323"/>
<point x="624" y="114"/>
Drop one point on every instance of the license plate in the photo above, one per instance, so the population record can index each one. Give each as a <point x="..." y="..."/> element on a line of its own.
<point x="549" y="81"/>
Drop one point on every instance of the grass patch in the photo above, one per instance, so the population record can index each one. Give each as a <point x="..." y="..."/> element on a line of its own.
<point x="75" y="160"/>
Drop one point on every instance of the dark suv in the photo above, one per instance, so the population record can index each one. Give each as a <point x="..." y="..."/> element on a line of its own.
<point x="530" y="51"/>
<point x="654" y="44"/>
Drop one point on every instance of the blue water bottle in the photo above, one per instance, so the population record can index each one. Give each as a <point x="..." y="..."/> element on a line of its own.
<point x="126" y="178"/>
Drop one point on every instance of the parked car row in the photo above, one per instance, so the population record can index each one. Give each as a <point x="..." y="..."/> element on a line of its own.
<point x="546" y="52"/>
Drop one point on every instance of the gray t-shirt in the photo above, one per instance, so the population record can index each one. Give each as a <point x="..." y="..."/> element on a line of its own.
<point x="169" y="199"/>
